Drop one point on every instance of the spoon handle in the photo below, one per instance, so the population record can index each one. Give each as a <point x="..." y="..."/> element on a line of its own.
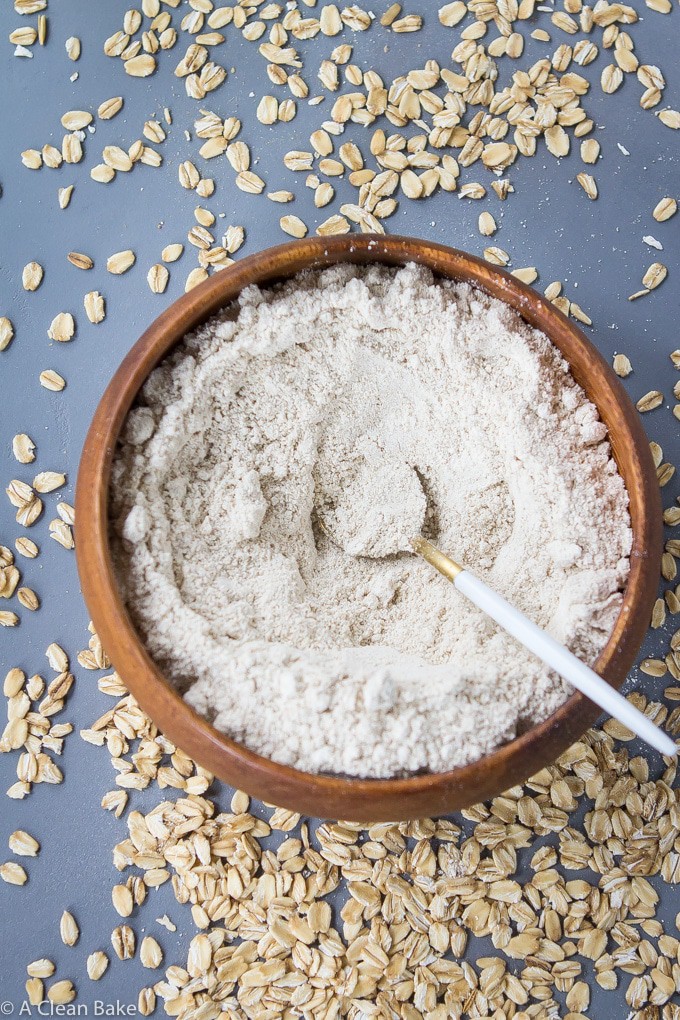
<point x="551" y="652"/>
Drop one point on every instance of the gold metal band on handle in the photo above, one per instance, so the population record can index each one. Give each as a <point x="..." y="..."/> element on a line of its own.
<point x="446" y="566"/>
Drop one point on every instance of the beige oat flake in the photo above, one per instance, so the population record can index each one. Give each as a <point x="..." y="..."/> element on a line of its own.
<point x="62" y="327"/>
<point x="120" y="262"/>
<point x="68" y="929"/>
<point x="51" y="380"/>
<point x="95" y="309"/>
<point x="32" y="276"/>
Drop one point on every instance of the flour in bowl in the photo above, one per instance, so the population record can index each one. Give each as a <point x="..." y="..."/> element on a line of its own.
<point x="269" y="479"/>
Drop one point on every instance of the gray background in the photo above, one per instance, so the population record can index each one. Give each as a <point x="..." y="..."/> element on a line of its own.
<point x="596" y="248"/>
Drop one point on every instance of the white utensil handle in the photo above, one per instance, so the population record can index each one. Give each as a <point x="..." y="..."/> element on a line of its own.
<point x="559" y="658"/>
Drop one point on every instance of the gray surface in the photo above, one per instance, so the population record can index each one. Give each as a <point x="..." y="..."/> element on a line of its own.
<point x="595" y="248"/>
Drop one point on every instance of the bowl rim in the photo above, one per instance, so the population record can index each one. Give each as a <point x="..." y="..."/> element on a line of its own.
<point x="360" y="799"/>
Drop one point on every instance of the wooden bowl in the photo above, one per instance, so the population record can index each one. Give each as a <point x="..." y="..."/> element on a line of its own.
<point x="329" y="796"/>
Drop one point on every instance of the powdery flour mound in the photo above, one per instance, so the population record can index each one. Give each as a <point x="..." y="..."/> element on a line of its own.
<point x="331" y="385"/>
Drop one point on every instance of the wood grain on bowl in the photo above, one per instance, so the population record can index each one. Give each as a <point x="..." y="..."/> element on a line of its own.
<point x="328" y="796"/>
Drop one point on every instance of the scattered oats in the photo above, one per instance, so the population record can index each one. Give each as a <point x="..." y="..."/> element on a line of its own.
<point x="195" y="277"/>
<point x="13" y="873"/>
<point x="410" y="23"/>
<point x="499" y="155"/>
<point x="51" y="380"/>
<point x="123" y="942"/>
<point x="172" y="252"/>
<point x="13" y="683"/>
<point x="76" y="120"/>
<point x="637" y="294"/>
<point x="590" y="150"/>
<point x="577" y="313"/>
<point x="611" y="78"/>
<point x="117" y="158"/>
<point x="650" y="401"/>
<point x="204" y="217"/>
<point x="68" y="929"/>
<point x="24" y="845"/>
<point x="157" y="278"/>
<point x="664" y="209"/>
<point x="146" y="1001"/>
<point x="71" y="148"/>
<point x="97" y="964"/>
<point x="72" y="45"/>
<point x="267" y="110"/>
<point x="32" y="275"/>
<point x="52" y="156"/>
<point x="324" y="194"/>
<point x="652" y="242"/>
<point x="670" y="118"/>
<point x="26" y="548"/>
<point x="280" y="196"/>
<point x="94" y="306"/>
<point x="120" y="262"/>
<point x="658" y="614"/>
<point x="122" y="900"/>
<point x="79" y="260"/>
<point x="28" y="599"/>
<point x="23" y="36"/>
<point x="102" y="173"/>
<point x="233" y="239"/>
<point x="587" y="182"/>
<point x="496" y="256"/>
<point x="411" y="184"/>
<point x="57" y="658"/>
<point x="503" y="188"/>
<point x="19" y="494"/>
<point x="250" y="182"/>
<point x="150" y="953"/>
<point x="6" y="332"/>
<point x="62" y="327"/>
<point x="35" y="991"/>
<point x="110" y="107"/>
<point x="389" y="16"/>
<point x="61" y="993"/>
<point x="527" y="275"/>
<point x="655" y="275"/>
<point x="165" y="920"/>
<point x="32" y="159"/>
<point x="622" y="365"/>
<point x="64" y="196"/>
<point x="332" y="226"/>
<point x="48" y="481"/>
<point x="140" y="66"/>
<point x="40" y="968"/>
<point x="61" y="533"/>
<point x="557" y="141"/>
<point x="653" y="667"/>
<point x="154" y="131"/>
<point x="22" y="448"/>
<point x="451" y="14"/>
<point x="487" y="224"/>
<point x="293" y="225"/>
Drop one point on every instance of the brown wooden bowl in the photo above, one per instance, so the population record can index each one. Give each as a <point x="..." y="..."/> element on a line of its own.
<point x="329" y="796"/>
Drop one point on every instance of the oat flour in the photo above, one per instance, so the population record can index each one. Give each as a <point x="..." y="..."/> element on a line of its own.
<point x="317" y="401"/>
